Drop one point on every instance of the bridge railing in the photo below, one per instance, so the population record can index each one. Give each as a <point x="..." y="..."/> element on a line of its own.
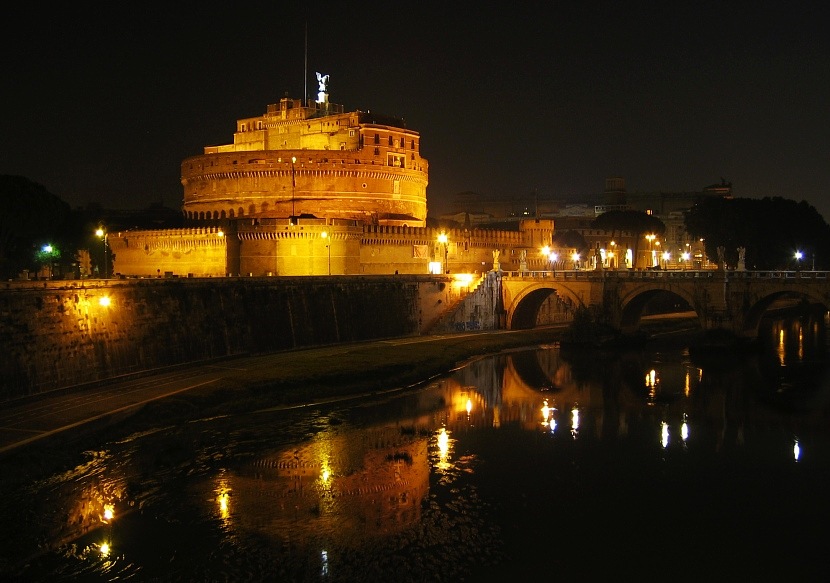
<point x="661" y="274"/>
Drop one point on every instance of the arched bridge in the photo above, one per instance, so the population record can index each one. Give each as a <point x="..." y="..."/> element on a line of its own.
<point x="731" y="300"/>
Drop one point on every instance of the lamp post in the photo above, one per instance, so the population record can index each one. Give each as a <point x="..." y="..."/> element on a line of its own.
<point x="46" y="258"/>
<point x="666" y="257"/>
<point x="546" y="253"/>
<point x="293" y="185"/>
<point x="650" y="239"/>
<point x="798" y="256"/>
<point x="575" y="258"/>
<point x="325" y="236"/>
<point x="551" y="257"/>
<point x="442" y="238"/>
<point x="102" y="234"/>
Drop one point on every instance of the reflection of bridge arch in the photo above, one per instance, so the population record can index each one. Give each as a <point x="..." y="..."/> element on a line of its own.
<point x="534" y="376"/>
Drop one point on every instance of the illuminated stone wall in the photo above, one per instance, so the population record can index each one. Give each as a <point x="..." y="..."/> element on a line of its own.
<point x="200" y="252"/>
<point x="324" y="184"/>
<point x="268" y="247"/>
<point x="58" y="334"/>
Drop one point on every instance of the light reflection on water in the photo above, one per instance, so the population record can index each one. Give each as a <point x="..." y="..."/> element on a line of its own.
<point x="572" y="463"/>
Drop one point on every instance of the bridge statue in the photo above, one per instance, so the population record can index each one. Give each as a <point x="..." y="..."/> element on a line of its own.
<point x="496" y="264"/>
<point x="523" y="260"/>
<point x="741" y="258"/>
<point x="722" y="258"/>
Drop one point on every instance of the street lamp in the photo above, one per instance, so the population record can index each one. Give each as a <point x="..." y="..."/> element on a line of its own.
<point x="666" y="257"/>
<point x="650" y="239"/>
<point x="102" y="234"/>
<point x="551" y="257"/>
<point x="293" y="188"/>
<point x="46" y="258"/>
<point x="325" y="236"/>
<point x="442" y="238"/>
<point x="798" y="256"/>
<point x="575" y="258"/>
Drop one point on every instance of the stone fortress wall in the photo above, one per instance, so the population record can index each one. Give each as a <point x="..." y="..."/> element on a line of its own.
<point x="280" y="247"/>
<point x="326" y="184"/>
<point x="59" y="334"/>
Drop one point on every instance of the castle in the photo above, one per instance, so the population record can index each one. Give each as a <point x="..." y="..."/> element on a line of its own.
<point x="312" y="189"/>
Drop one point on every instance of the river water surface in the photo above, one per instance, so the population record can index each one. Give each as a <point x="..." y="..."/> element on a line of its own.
<point x="535" y="464"/>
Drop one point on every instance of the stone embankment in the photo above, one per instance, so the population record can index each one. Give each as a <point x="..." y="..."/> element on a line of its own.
<point x="60" y="334"/>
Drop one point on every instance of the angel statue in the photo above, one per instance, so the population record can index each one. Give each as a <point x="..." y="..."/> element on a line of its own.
<point x="322" y="81"/>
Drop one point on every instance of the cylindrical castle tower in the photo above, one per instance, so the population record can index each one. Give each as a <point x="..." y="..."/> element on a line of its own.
<point x="312" y="161"/>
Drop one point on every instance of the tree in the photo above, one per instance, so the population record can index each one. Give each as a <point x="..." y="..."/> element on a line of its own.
<point x="30" y="217"/>
<point x="771" y="230"/>
<point x="638" y="223"/>
<point x="570" y="240"/>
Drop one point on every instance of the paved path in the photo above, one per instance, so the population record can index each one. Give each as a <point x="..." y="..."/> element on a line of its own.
<point x="24" y="421"/>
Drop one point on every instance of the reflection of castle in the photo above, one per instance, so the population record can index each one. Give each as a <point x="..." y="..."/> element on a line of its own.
<point x="312" y="189"/>
<point x="351" y="489"/>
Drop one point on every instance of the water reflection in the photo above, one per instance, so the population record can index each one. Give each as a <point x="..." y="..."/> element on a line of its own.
<point x="454" y="479"/>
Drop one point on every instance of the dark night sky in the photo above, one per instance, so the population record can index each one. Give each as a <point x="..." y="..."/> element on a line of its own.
<point x="102" y="104"/>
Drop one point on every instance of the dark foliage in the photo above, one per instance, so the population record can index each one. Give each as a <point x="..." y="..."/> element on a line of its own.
<point x="30" y="217"/>
<point x="771" y="230"/>
<point x="571" y="240"/>
<point x="638" y="223"/>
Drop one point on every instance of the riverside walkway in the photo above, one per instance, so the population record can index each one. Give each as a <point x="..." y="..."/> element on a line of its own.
<point x="337" y="369"/>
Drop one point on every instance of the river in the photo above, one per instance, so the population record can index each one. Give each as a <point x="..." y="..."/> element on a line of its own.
<point x="537" y="463"/>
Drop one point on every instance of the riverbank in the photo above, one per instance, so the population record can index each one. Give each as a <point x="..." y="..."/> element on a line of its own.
<point x="323" y="374"/>
<point x="276" y="380"/>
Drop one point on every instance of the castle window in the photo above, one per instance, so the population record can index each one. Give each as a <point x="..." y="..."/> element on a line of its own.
<point x="412" y="145"/>
<point x="395" y="160"/>
<point x="377" y="151"/>
<point x="391" y="143"/>
<point x="377" y="138"/>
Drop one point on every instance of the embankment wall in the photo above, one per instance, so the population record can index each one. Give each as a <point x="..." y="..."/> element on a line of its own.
<point x="61" y="334"/>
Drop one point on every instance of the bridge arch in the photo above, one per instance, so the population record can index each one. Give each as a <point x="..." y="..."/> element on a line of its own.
<point x="523" y="311"/>
<point x="633" y="304"/>
<point x="756" y="311"/>
<point x="734" y="301"/>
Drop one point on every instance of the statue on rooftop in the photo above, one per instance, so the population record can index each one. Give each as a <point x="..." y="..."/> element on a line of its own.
<point x="322" y="81"/>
